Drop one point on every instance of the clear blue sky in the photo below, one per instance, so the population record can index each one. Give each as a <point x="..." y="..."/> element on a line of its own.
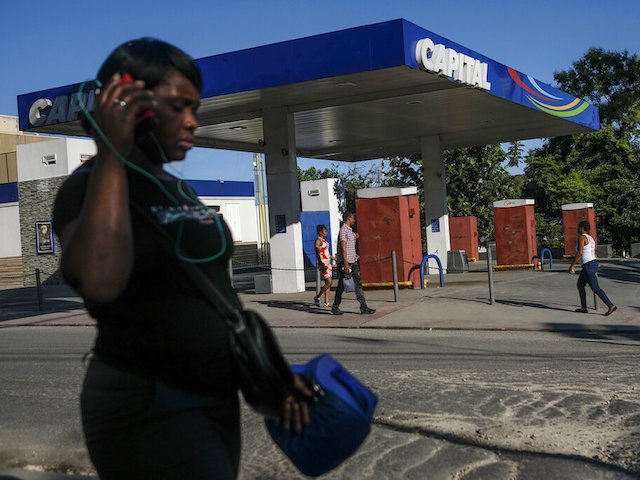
<point x="45" y="44"/>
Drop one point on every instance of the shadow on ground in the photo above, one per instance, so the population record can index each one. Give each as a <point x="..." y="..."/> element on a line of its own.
<point x="505" y="451"/>
<point x="596" y="332"/>
<point x="516" y="303"/>
<point x="620" y="270"/>
<point x="295" y="305"/>
<point x="23" y="302"/>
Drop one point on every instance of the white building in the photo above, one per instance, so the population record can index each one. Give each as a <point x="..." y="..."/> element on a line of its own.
<point x="26" y="205"/>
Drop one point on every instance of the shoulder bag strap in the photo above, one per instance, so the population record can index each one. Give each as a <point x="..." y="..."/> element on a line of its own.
<point x="232" y="316"/>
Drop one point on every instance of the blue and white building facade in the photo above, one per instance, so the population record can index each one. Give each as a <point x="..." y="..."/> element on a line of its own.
<point x="26" y="205"/>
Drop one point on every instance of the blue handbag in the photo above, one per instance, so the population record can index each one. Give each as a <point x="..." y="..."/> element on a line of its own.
<point x="349" y="283"/>
<point x="340" y="418"/>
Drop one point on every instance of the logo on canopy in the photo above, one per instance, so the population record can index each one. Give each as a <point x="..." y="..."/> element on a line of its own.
<point x="547" y="102"/>
<point x="437" y="58"/>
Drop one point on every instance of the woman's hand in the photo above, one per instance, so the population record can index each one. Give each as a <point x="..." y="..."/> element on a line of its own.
<point x="118" y="106"/>
<point x="572" y="270"/>
<point x="295" y="411"/>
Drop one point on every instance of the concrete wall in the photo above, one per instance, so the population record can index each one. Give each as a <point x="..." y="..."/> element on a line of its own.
<point x="10" y="138"/>
<point x="11" y="261"/>
<point x="36" y="203"/>
<point x="8" y="167"/>
<point x="42" y="168"/>
<point x="34" y="160"/>
<point x="8" y="124"/>
<point x="240" y="215"/>
<point x="325" y="200"/>
<point x="9" y="231"/>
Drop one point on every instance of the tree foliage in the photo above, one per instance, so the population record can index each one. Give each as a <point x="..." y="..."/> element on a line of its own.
<point x="610" y="80"/>
<point x="602" y="167"/>
<point x="476" y="178"/>
<point x="350" y="179"/>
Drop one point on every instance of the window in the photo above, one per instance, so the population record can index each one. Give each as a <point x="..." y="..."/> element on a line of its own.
<point x="49" y="159"/>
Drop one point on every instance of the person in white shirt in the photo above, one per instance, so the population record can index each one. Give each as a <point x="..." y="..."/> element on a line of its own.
<point x="586" y="254"/>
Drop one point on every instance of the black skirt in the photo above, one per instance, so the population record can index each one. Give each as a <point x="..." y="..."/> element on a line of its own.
<point x="136" y="428"/>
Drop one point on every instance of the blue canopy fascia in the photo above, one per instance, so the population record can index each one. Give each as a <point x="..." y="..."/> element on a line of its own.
<point x="356" y="50"/>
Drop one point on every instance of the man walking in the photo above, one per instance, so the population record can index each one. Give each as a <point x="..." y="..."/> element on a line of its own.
<point x="586" y="254"/>
<point x="348" y="265"/>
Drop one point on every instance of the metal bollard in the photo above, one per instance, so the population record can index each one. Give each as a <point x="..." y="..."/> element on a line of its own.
<point x="394" y="266"/>
<point x="38" y="289"/>
<point x="492" y="299"/>
<point x="318" y="281"/>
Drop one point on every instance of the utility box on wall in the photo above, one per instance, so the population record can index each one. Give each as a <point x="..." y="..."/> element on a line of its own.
<point x="515" y="227"/>
<point x="572" y="215"/>
<point x="388" y="218"/>
<point x="463" y="234"/>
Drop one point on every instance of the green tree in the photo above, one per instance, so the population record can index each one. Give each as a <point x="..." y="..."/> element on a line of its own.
<point x="602" y="167"/>
<point x="312" y="173"/>
<point x="476" y="178"/>
<point x="350" y="179"/>
<point x="515" y="154"/>
<point x="610" y="80"/>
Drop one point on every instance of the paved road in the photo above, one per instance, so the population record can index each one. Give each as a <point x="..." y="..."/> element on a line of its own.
<point x="468" y="390"/>
<point x="453" y="404"/>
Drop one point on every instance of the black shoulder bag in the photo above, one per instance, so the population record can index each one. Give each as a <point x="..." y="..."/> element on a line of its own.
<point x="263" y="373"/>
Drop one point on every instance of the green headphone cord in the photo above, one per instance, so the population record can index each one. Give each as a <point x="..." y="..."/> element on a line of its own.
<point x="178" y="250"/>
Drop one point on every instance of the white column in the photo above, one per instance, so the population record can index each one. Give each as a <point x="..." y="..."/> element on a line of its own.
<point x="287" y="261"/>
<point x="436" y="213"/>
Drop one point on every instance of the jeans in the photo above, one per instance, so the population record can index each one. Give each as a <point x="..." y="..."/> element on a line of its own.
<point x="355" y="273"/>
<point x="589" y="275"/>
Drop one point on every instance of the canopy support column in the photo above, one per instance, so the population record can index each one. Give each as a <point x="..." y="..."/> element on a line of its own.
<point x="283" y="191"/>
<point x="436" y="213"/>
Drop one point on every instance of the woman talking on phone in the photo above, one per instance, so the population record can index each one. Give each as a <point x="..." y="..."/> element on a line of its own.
<point x="159" y="399"/>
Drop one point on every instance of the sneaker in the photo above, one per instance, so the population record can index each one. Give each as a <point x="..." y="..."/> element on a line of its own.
<point x="581" y="310"/>
<point x="316" y="301"/>
<point x="336" y="311"/>
<point x="367" y="311"/>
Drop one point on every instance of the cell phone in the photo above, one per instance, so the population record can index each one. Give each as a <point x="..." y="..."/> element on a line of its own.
<point x="147" y="120"/>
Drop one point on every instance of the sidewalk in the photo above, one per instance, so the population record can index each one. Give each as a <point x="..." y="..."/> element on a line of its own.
<point x="524" y="300"/>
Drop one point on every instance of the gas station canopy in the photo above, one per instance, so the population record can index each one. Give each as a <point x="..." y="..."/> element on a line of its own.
<point x="362" y="93"/>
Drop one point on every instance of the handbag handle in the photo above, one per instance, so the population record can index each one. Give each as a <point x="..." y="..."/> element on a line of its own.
<point x="345" y="378"/>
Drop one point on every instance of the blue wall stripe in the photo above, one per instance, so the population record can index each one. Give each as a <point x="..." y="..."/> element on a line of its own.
<point x="8" y="192"/>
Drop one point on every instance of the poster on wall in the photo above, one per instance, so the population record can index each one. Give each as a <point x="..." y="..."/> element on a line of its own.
<point x="44" y="237"/>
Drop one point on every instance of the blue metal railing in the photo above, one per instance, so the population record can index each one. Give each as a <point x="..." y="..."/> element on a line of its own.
<point x="423" y="263"/>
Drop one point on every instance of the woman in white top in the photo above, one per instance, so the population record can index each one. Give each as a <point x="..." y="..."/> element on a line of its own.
<point x="586" y="253"/>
